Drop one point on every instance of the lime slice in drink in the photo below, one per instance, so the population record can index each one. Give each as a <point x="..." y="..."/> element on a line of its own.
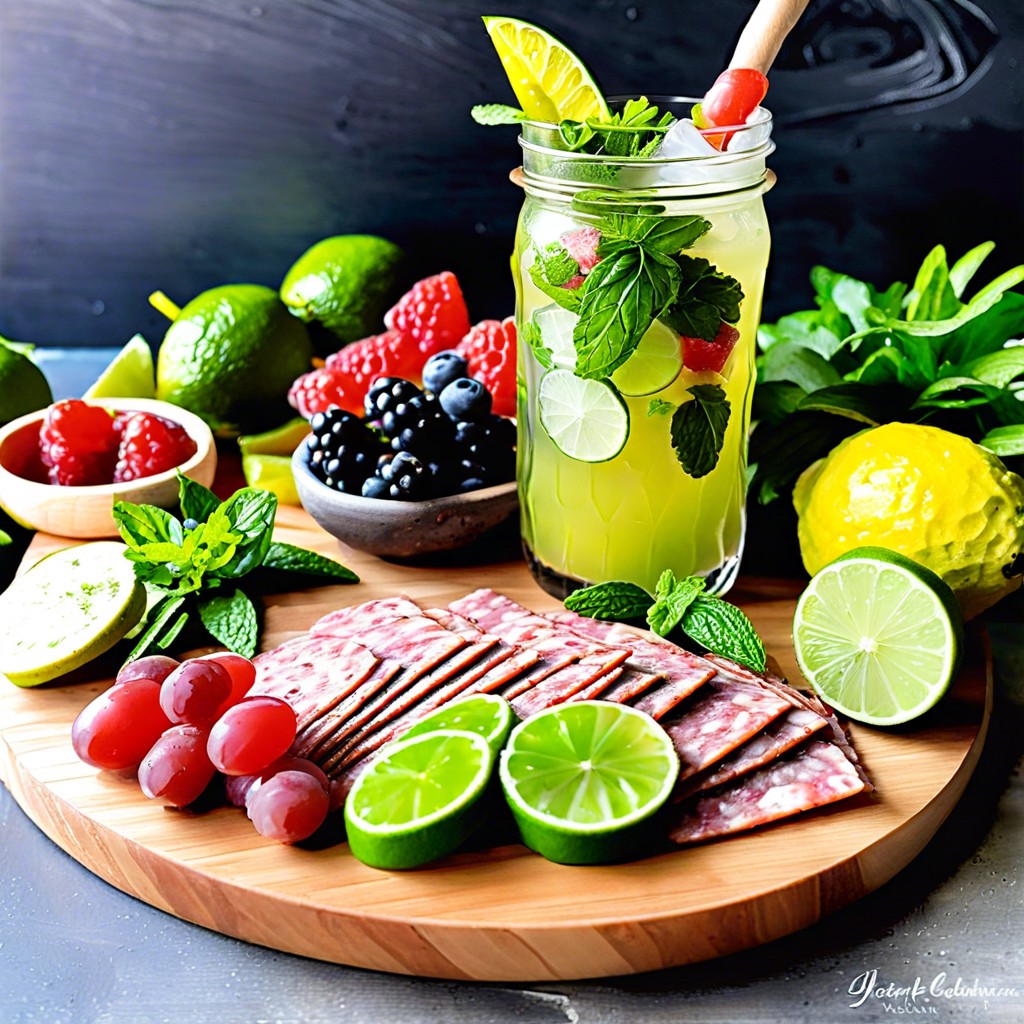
<point x="584" y="781"/>
<point x="487" y="714"/>
<point x="130" y="374"/>
<point x="586" y="419"/>
<point x="654" y="364"/>
<point x="556" y="326"/>
<point x="419" y="799"/>
<point x="878" y="636"/>
<point x="67" y="609"/>
<point x="549" y="80"/>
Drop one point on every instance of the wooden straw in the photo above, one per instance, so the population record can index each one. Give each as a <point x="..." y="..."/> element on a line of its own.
<point x="764" y="33"/>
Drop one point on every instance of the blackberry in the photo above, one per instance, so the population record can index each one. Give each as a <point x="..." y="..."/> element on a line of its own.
<point x="466" y="399"/>
<point x="408" y="478"/>
<point x="342" y="451"/>
<point x="487" y="449"/>
<point x="441" y="369"/>
<point x="418" y="426"/>
<point x="386" y="393"/>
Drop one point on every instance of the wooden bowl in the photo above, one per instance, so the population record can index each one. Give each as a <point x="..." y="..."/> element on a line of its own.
<point x="85" y="512"/>
<point x="403" y="529"/>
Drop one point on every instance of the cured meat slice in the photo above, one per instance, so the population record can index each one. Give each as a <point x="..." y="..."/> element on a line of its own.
<point x="787" y="731"/>
<point x="682" y="672"/>
<point x="629" y="683"/>
<point x="815" y="775"/>
<point x="312" y="673"/>
<point x="491" y="611"/>
<point x="718" y="719"/>
<point x="559" y="686"/>
<point x="369" y="615"/>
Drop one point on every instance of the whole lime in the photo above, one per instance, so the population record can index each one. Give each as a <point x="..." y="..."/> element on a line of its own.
<point x="231" y="355"/>
<point x="929" y="494"/>
<point x="345" y="283"/>
<point x="23" y="388"/>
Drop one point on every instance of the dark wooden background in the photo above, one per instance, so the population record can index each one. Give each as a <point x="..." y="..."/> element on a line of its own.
<point x="181" y="144"/>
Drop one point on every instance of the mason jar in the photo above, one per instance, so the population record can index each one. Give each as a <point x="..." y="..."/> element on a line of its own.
<point x="638" y="293"/>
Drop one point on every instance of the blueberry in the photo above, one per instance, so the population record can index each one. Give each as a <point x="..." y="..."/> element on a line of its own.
<point x="375" y="487"/>
<point x="443" y="368"/>
<point x="466" y="399"/>
<point x="190" y="524"/>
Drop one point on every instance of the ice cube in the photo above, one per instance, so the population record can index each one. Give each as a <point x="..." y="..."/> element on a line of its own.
<point x="682" y="140"/>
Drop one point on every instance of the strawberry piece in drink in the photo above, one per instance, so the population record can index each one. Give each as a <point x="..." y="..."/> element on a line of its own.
<point x="699" y="354"/>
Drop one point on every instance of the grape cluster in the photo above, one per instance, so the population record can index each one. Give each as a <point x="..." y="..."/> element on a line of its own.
<point x="180" y="724"/>
<point x="415" y="443"/>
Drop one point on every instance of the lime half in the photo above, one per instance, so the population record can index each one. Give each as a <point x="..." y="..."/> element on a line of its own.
<point x="549" y="80"/>
<point x="878" y="636"/>
<point x="419" y="799"/>
<point x="130" y="374"/>
<point x="586" y="419"/>
<point x="654" y="364"/>
<point x="584" y="781"/>
<point x="556" y="325"/>
<point x="67" y="609"/>
<point x="487" y="714"/>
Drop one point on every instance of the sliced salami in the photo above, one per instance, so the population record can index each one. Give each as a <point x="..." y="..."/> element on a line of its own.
<point x="815" y="775"/>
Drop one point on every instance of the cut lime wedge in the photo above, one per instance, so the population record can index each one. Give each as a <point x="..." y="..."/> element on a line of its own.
<point x="419" y="799"/>
<point x="586" y="419"/>
<point x="67" y="609"/>
<point x="584" y="781"/>
<point x="556" y="324"/>
<point x="549" y="80"/>
<point x="878" y="636"/>
<point x="129" y="374"/>
<point x="487" y="714"/>
<point x="654" y="364"/>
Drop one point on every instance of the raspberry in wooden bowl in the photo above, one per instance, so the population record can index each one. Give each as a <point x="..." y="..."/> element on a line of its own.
<point x="62" y="469"/>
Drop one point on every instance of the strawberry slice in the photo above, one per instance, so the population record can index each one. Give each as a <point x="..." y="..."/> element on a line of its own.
<point x="489" y="348"/>
<point x="699" y="354"/>
<point x="433" y="313"/>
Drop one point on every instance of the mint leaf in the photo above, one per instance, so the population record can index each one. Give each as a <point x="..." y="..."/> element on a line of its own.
<point x="145" y="524"/>
<point x="621" y="297"/>
<point x="1004" y="441"/>
<point x="557" y="266"/>
<point x="197" y="501"/>
<point x="668" y="235"/>
<point x="967" y="266"/>
<point x="160" y="618"/>
<point x="723" y="629"/>
<point x="671" y="599"/>
<point x="616" y="600"/>
<point x="530" y="333"/>
<point x="698" y="429"/>
<point x="496" y="113"/>
<point x="250" y="514"/>
<point x="575" y="134"/>
<point x="290" y="558"/>
<point x="932" y="297"/>
<point x="705" y="298"/>
<point x="658" y="407"/>
<point x="568" y="298"/>
<point x="790" y="361"/>
<point x="231" y="619"/>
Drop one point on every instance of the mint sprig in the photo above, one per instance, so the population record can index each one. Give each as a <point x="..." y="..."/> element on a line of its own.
<point x="185" y="569"/>
<point x="698" y="429"/>
<point x="715" y="624"/>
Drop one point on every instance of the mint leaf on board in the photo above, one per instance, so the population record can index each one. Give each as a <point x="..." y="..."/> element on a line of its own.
<point x="231" y="619"/>
<point x="621" y="297"/>
<point x="250" y="513"/>
<point x="531" y="334"/>
<point x="197" y="502"/>
<point x="705" y="297"/>
<point x="567" y="298"/>
<point x="290" y="558"/>
<point x="659" y="407"/>
<point x="671" y="599"/>
<point x="722" y="628"/>
<point x="616" y="600"/>
<point x="557" y="266"/>
<point x="496" y="113"/>
<point x="698" y="429"/>
<point x="145" y="524"/>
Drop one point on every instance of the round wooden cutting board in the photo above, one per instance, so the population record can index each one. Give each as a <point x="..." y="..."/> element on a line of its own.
<point x="502" y="913"/>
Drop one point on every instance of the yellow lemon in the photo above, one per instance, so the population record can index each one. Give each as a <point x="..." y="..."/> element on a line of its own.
<point x="931" y="495"/>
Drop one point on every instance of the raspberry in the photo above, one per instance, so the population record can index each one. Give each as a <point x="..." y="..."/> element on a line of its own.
<point x="490" y="350"/>
<point x="78" y="444"/>
<point x="150" y="445"/>
<point x="699" y="354"/>
<point x="433" y="313"/>
<point x="347" y="375"/>
<point x="581" y="245"/>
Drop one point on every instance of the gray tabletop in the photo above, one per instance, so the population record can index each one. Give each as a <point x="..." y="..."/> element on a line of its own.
<point x="941" y="941"/>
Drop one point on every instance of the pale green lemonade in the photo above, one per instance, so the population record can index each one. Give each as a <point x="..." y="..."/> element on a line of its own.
<point x="637" y="511"/>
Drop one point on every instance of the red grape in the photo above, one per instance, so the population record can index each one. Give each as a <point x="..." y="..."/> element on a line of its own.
<point x="289" y="806"/>
<point x="241" y="670"/>
<point x="252" y="735"/>
<point x="156" y="667"/>
<point x="177" y="769"/>
<point x="117" y="728"/>
<point x="241" y="787"/>
<point x="195" y="691"/>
